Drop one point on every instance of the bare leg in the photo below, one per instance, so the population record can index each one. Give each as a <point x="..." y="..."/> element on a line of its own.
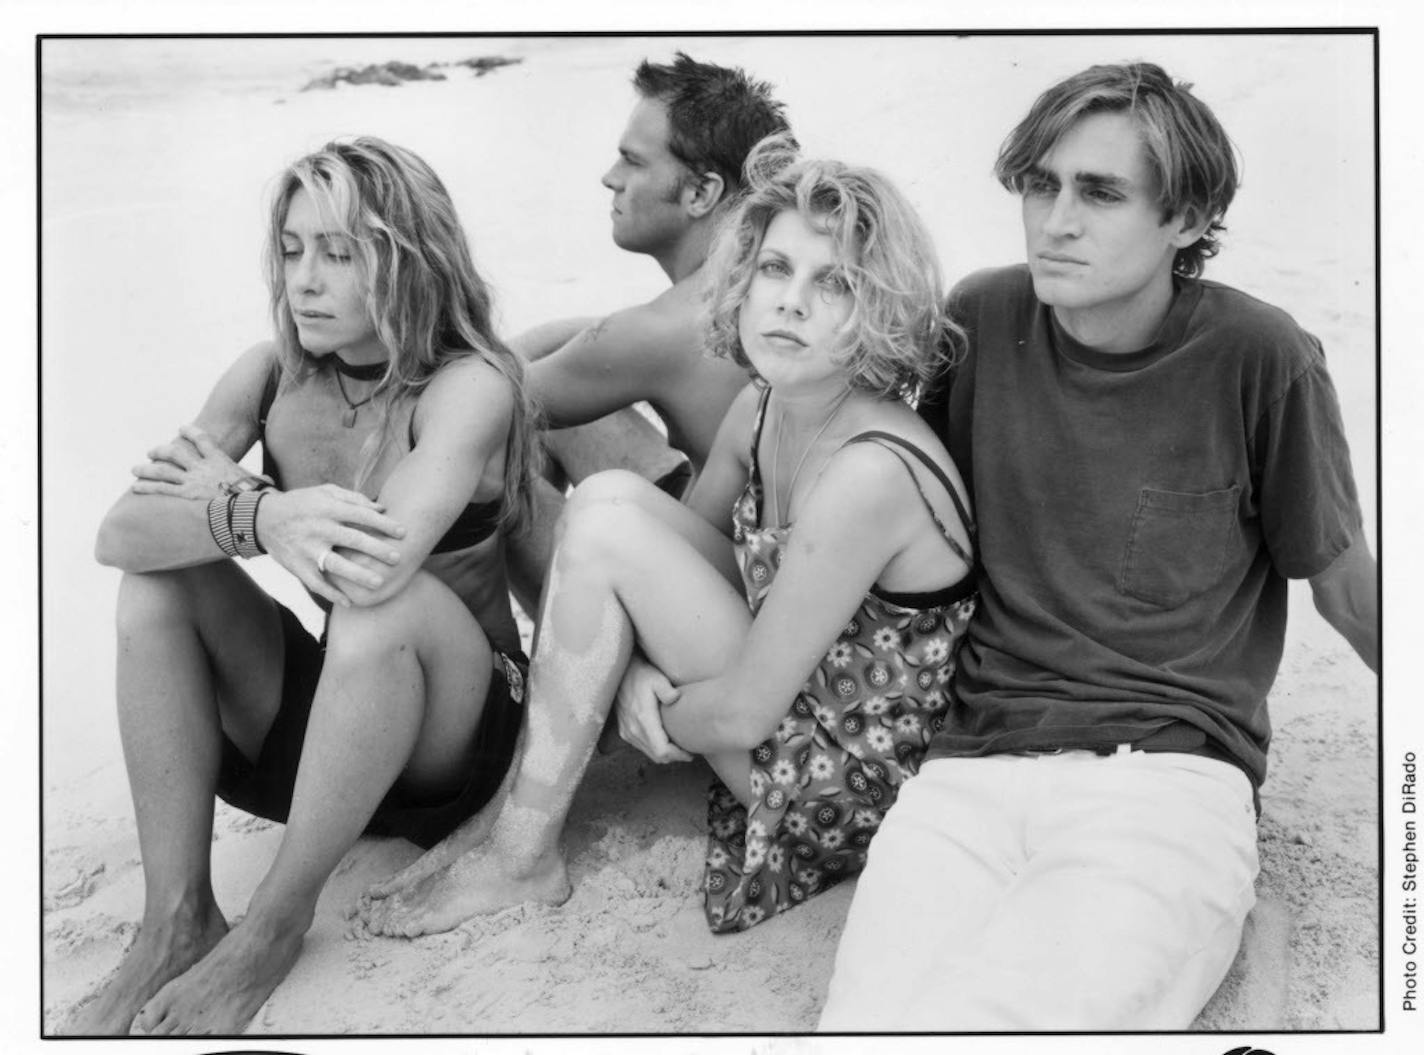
<point x="197" y="649"/>
<point x="617" y="567"/>
<point x="400" y="697"/>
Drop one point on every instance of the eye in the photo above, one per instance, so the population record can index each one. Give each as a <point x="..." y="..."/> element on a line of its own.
<point x="1102" y="195"/>
<point x="291" y="252"/>
<point x="1039" y="185"/>
<point x="772" y="266"/>
<point x="833" y="284"/>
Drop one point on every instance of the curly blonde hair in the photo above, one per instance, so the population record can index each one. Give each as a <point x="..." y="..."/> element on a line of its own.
<point x="427" y="303"/>
<point x="898" y="338"/>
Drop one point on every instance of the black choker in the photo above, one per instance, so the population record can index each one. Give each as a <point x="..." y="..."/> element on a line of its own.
<point x="361" y="372"/>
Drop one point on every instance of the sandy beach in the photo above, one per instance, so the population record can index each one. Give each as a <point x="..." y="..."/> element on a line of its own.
<point x="155" y="165"/>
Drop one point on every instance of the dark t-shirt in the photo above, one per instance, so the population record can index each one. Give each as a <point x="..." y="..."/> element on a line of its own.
<point x="1138" y="515"/>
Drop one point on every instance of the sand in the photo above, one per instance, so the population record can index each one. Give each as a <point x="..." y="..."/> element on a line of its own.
<point x="154" y="170"/>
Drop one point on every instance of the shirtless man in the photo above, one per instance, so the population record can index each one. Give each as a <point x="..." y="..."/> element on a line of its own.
<point x="679" y="164"/>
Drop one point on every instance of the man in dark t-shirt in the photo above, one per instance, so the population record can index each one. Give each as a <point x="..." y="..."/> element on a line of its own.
<point x="1152" y="456"/>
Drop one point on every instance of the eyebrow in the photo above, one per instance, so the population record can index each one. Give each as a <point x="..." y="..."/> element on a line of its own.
<point x="1093" y="179"/>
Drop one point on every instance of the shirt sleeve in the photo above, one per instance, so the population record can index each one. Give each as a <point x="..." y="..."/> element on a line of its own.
<point x="1309" y="507"/>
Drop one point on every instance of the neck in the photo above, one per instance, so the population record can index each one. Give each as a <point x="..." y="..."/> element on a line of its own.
<point x="1121" y="327"/>
<point x="358" y="370"/>
<point x="806" y="409"/>
<point x="688" y="253"/>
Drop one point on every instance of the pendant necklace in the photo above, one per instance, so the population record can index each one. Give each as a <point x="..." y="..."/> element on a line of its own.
<point x="796" y="472"/>
<point x="370" y="372"/>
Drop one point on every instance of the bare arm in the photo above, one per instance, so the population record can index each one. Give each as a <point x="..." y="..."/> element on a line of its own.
<point x="842" y="543"/>
<point x="631" y="356"/>
<point x="162" y="522"/>
<point x="1347" y="595"/>
<point x="549" y="337"/>
<point x="463" y="421"/>
<point x="148" y="532"/>
<point x="725" y="473"/>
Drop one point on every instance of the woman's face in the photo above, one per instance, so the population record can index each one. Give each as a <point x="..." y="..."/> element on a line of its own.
<point x="326" y="291"/>
<point x="796" y="304"/>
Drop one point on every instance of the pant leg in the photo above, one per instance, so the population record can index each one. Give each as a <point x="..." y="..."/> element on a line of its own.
<point x="1139" y="876"/>
<point x="949" y="847"/>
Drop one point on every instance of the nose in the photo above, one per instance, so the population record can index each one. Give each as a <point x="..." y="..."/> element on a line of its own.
<point x="303" y="273"/>
<point x="795" y="296"/>
<point x="1063" y="220"/>
<point x="610" y="179"/>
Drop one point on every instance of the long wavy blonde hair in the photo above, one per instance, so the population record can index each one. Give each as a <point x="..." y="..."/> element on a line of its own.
<point x="427" y="303"/>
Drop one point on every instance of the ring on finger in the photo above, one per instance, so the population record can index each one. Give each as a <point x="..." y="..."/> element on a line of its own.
<point x="321" y="561"/>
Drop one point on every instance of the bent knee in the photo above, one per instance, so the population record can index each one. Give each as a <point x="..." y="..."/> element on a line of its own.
<point x="151" y="597"/>
<point x="611" y="485"/>
<point x="390" y="625"/>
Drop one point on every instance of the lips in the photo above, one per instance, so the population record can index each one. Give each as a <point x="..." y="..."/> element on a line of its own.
<point x="1060" y="258"/>
<point x="785" y="335"/>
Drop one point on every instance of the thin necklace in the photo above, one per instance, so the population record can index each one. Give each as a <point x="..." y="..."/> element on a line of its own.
<point x="348" y="416"/>
<point x="796" y="472"/>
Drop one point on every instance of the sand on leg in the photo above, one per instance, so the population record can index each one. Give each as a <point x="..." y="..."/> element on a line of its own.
<point x="622" y="571"/>
<point x="400" y="697"/>
<point x="200" y="651"/>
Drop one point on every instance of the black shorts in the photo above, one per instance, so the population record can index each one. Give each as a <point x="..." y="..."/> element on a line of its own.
<point x="264" y="788"/>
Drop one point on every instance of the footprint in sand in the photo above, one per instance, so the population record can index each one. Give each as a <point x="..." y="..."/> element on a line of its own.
<point x="69" y="882"/>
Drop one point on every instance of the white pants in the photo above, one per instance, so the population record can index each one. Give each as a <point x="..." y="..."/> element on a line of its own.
<point x="1053" y="892"/>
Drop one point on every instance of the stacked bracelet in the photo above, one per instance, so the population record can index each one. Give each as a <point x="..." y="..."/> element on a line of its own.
<point x="220" y="525"/>
<point x="232" y="521"/>
<point x="242" y="514"/>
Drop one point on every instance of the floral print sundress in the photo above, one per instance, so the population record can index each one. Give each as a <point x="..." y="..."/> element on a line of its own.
<point x="857" y="730"/>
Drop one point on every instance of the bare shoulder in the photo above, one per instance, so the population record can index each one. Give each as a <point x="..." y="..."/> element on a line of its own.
<point x="867" y="476"/>
<point x="469" y="390"/>
<point x="669" y="323"/>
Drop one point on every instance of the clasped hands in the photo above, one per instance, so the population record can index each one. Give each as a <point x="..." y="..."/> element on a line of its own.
<point x="317" y="533"/>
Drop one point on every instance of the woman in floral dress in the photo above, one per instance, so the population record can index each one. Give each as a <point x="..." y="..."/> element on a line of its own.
<point x="795" y="622"/>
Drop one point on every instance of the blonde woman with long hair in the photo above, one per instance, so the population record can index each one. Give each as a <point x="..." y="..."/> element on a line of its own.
<point x="395" y="440"/>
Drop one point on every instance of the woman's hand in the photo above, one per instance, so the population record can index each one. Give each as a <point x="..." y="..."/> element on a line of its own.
<point x="303" y="529"/>
<point x="642" y="694"/>
<point x="188" y="466"/>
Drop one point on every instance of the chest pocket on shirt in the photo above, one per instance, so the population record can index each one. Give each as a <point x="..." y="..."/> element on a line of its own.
<point x="1177" y="545"/>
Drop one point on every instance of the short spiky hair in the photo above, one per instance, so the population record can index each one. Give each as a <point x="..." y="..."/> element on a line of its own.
<point x="1188" y="151"/>
<point x="897" y="338"/>
<point x="716" y="114"/>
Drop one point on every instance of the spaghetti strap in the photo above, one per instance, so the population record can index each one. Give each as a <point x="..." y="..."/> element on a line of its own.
<point x="756" y="444"/>
<point x="939" y="474"/>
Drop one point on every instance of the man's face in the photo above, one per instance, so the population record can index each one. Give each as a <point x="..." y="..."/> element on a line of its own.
<point x="646" y="182"/>
<point x="1098" y="248"/>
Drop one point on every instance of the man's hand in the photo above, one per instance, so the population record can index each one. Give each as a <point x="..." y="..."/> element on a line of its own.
<point x="642" y="694"/>
<point x="189" y="466"/>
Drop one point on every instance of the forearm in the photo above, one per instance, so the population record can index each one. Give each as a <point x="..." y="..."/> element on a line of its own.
<point x="156" y="533"/>
<point x="722" y="714"/>
<point x="1354" y="613"/>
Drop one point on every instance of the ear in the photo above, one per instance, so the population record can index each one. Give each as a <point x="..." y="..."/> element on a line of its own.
<point x="702" y="196"/>
<point x="1187" y="226"/>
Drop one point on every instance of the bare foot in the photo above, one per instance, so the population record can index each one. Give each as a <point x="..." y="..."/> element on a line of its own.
<point x="220" y="994"/>
<point x="480" y="882"/>
<point x="162" y="951"/>
<point x="462" y="840"/>
<point x="439" y="857"/>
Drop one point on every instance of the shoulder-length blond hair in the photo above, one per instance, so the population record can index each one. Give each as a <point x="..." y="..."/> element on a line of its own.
<point x="898" y="338"/>
<point x="427" y="303"/>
